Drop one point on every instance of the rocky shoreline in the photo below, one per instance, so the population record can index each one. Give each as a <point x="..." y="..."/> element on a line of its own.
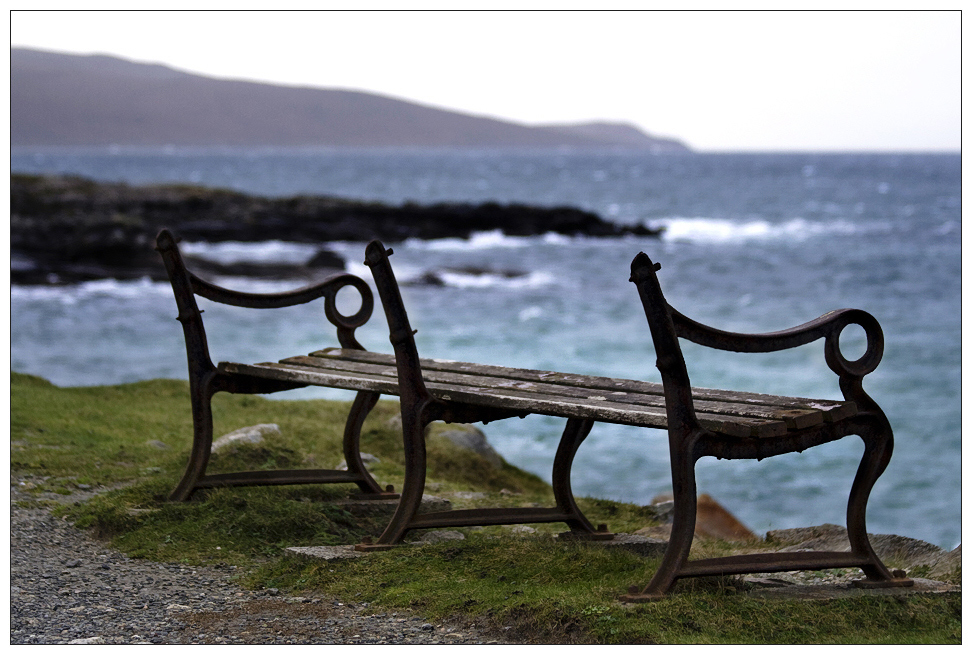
<point x="68" y="229"/>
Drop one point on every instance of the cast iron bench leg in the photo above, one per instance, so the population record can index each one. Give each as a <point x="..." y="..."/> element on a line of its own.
<point x="363" y="403"/>
<point x="415" y="417"/>
<point x="205" y="383"/>
<point x="201" y="394"/>
<point x="878" y="444"/>
<point x="685" y="497"/>
<point x="876" y="433"/>
<point x="205" y="379"/>
<point x="575" y="432"/>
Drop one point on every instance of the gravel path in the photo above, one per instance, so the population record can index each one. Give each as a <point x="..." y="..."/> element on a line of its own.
<point x="65" y="587"/>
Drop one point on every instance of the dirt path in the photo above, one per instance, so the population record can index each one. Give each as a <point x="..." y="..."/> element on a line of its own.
<point x="66" y="587"/>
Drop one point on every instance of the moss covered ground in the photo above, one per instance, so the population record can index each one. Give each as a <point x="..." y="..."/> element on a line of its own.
<point x="131" y="442"/>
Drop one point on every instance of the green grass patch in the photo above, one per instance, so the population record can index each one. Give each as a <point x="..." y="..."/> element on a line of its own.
<point x="555" y="592"/>
<point x="133" y="432"/>
<point x="132" y="441"/>
<point x="234" y="526"/>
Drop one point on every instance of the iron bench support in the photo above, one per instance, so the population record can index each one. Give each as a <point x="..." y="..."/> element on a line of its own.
<point x="689" y="440"/>
<point x="419" y="409"/>
<point x="700" y="422"/>
<point x="205" y="379"/>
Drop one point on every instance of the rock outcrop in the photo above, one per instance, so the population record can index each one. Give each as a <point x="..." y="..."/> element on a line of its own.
<point x="67" y="229"/>
<point x="712" y="520"/>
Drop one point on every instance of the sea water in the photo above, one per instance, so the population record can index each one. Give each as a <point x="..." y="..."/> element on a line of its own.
<point x="753" y="243"/>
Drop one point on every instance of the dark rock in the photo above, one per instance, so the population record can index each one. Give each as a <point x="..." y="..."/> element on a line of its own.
<point x="271" y="271"/>
<point x="326" y="259"/>
<point x="891" y="548"/>
<point x="427" y="279"/>
<point x="712" y="520"/>
<point x="469" y="437"/>
<point x="69" y="229"/>
<point x="434" y="278"/>
<point x="950" y="564"/>
<point x="477" y="270"/>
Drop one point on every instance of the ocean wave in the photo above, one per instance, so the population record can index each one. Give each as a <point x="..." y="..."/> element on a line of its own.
<point x="259" y="285"/>
<point x="476" y="241"/>
<point x="72" y="293"/>
<point x="141" y="289"/>
<point x="463" y="280"/>
<point x="232" y="252"/>
<point x="355" y="267"/>
<point x="491" y="239"/>
<point x="718" y="230"/>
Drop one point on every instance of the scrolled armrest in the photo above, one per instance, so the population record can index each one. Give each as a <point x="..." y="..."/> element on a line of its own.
<point x="327" y="289"/>
<point x="185" y="283"/>
<point x="829" y="327"/>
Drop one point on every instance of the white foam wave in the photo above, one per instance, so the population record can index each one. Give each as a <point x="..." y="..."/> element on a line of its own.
<point x="948" y="227"/>
<point x="492" y="280"/>
<point x="360" y="269"/>
<point x="530" y="313"/>
<point x="555" y="239"/>
<point x="409" y="273"/>
<point x="489" y="240"/>
<point x="73" y="293"/>
<point x="232" y="252"/>
<point x="716" y="230"/>
<point x="476" y="241"/>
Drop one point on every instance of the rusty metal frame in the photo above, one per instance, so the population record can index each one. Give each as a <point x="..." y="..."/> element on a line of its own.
<point x="419" y="408"/>
<point x="689" y="441"/>
<point x="205" y="379"/>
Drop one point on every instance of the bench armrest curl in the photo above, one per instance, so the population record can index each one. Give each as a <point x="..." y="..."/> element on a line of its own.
<point x="668" y="325"/>
<point x="328" y="289"/>
<point x="828" y="327"/>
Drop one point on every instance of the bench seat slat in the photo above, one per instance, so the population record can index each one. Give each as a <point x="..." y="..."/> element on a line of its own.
<point x="334" y="378"/>
<point x="481" y="396"/>
<point x="508" y="399"/>
<point x="596" y="408"/>
<point x="793" y="418"/>
<point x="833" y="410"/>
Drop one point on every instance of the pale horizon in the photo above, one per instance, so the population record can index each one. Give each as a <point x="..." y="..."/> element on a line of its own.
<point x="881" y="81"/>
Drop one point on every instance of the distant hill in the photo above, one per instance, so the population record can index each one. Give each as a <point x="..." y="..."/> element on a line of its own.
<point x="72" y="100"/>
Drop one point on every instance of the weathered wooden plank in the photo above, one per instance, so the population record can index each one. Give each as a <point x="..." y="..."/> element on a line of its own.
<point x="485" y="397"/>
<point x="832" y="410"/>
<point x="592" y="407"/>
<point x="528" y="375"/>
<point x="793" y="418"/>
<point x="316" y="376"/>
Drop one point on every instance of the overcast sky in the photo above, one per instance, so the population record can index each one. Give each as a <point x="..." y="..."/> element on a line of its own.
<point x="845" y="80"/>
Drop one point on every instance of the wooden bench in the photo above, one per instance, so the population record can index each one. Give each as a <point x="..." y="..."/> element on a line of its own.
<point x="700" y="422"/>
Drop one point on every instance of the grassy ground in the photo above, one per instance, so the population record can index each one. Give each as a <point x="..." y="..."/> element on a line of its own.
<point x="134" y="439"/>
